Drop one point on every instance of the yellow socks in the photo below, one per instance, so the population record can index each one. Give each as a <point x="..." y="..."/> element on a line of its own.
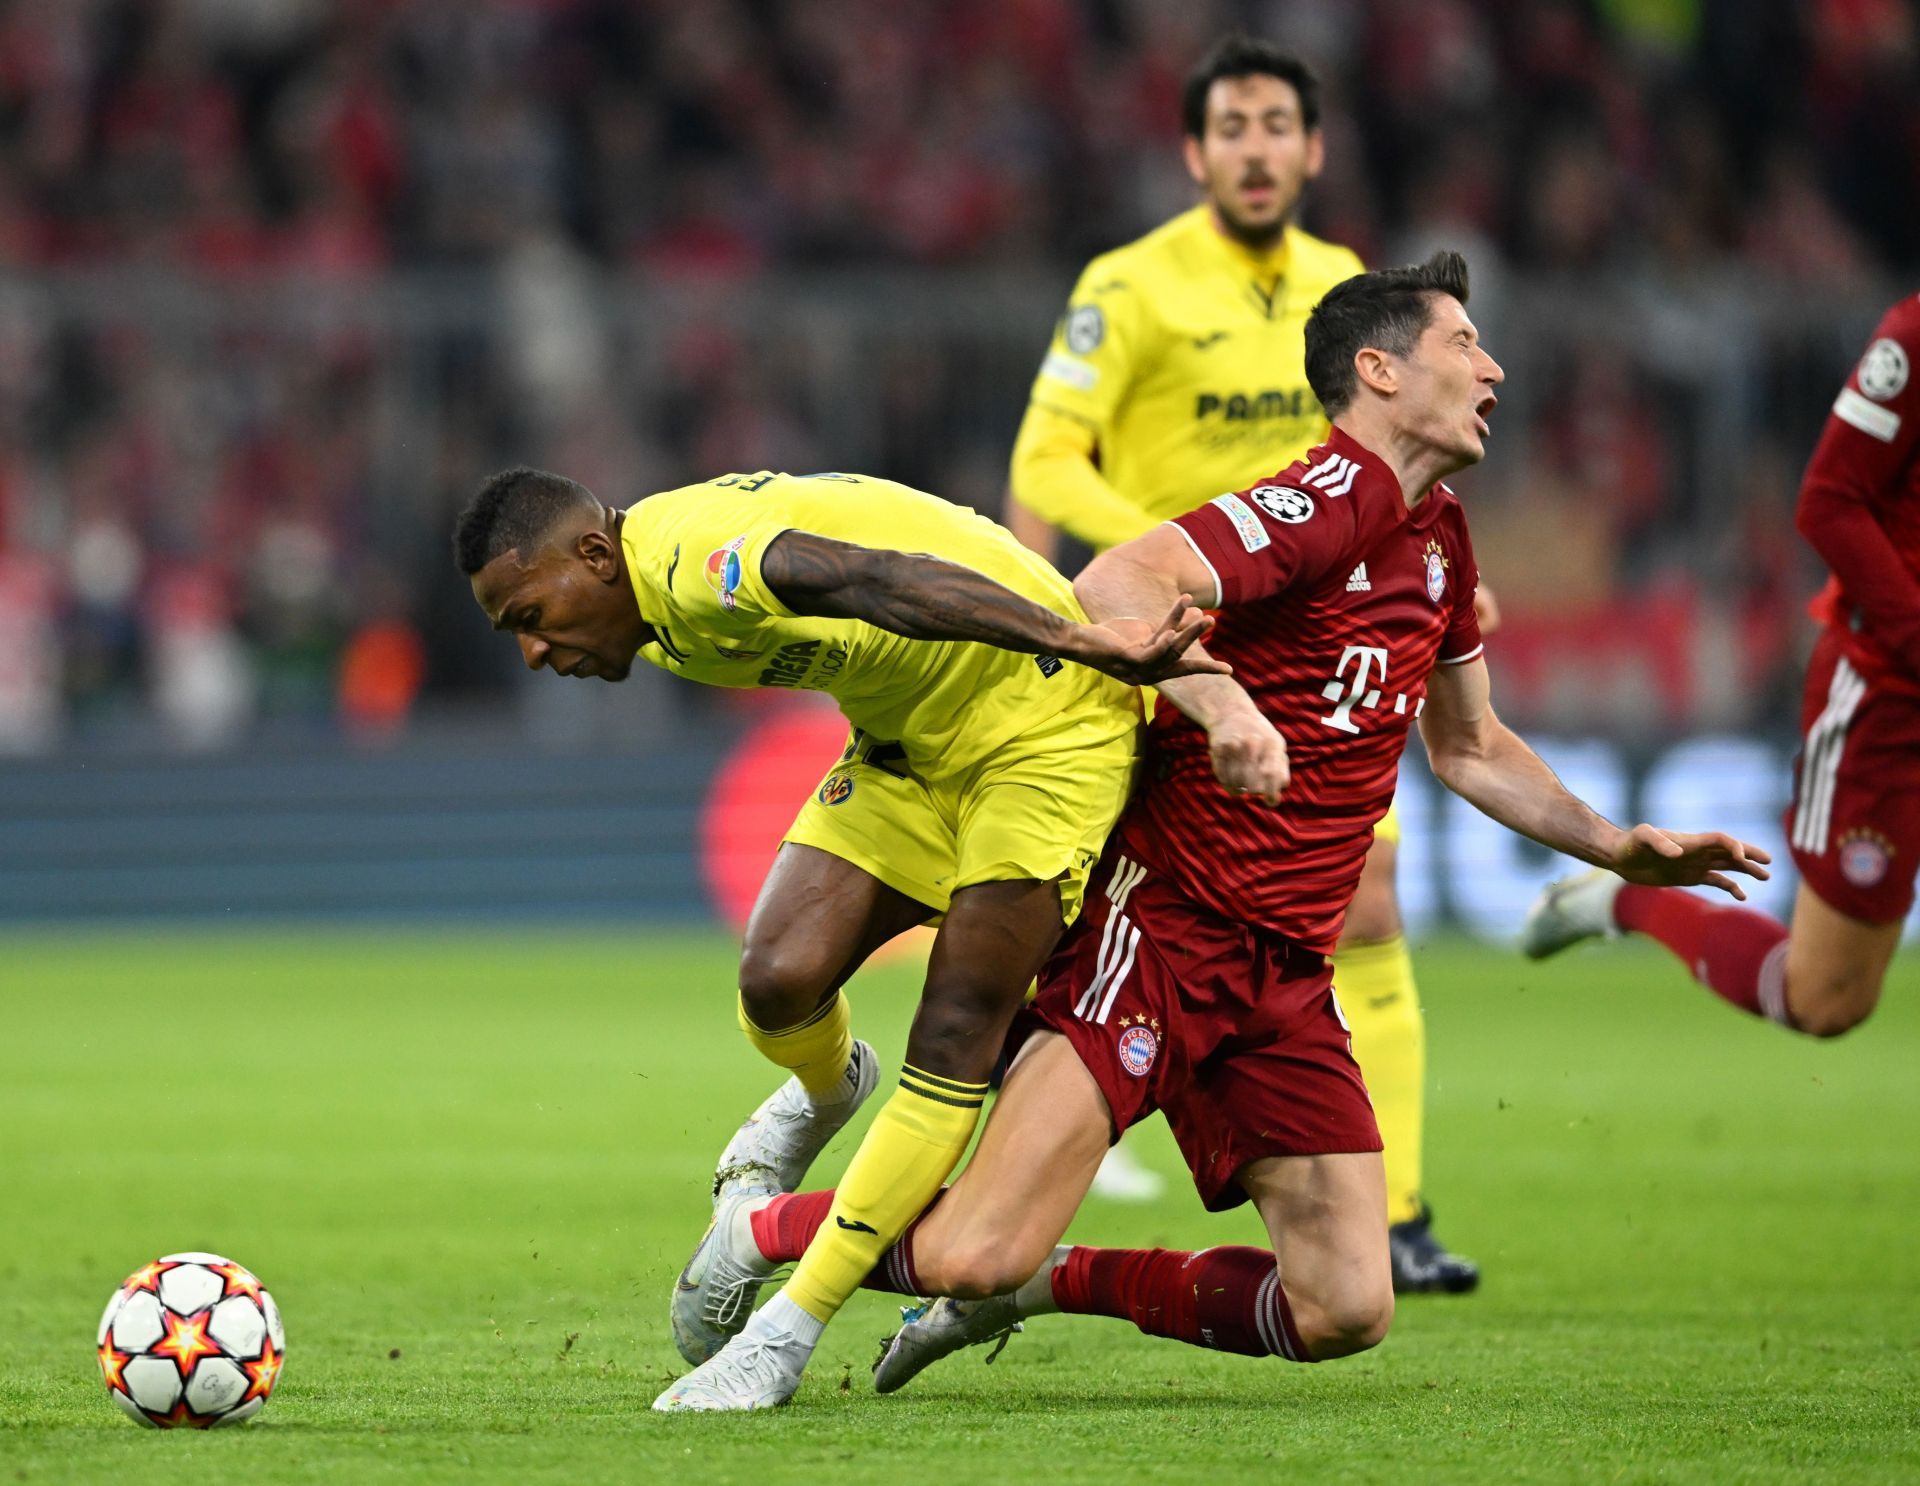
<point x="1375" y="983"/>
<point x="815" y="1052"/>
<point x="912" y="1147"/>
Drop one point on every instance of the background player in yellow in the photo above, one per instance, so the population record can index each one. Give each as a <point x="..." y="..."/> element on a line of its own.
<point x="1178" y="372"/>
<point x="994" y="743"/>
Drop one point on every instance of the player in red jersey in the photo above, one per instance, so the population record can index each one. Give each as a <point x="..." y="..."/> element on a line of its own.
<point x="1854" y="823"/>
<point x="1197" y="983"/>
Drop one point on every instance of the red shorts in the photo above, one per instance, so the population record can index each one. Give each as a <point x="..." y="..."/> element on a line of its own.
<point x="1854" y="823"/>
<point x="1231" y="1031"/>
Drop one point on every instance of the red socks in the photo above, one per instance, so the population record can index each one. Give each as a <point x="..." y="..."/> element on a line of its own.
<point x="785" y="1226"/>
<point x="1737" y="953"/>
<point x="1228" y="1298"/>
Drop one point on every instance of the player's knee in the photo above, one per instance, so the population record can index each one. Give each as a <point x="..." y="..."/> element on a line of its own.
<point x="1341" y="1325"/>
<point x="1834" y="1015"/>
<point x="974" y="1270"/>
<point x="781" y="986"/>
<point x="958" y="1028"/>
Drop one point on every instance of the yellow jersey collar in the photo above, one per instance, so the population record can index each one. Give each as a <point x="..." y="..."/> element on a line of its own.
<point x="653" y="597"/>
<point x="1262" y="266"/>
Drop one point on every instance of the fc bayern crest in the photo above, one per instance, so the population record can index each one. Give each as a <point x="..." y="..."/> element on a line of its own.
<point x="1139" y="1046"/>
<point x="1436" y="571"/>
<point x="1864" y="857"/>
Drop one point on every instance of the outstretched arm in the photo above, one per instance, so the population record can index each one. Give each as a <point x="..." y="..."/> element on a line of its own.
<point x="1141" y="577"/>
<point x="1485" y="762"/>
<point x="929" y="598"/>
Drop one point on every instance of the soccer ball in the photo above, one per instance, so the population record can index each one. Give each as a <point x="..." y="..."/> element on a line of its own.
<point x="191" y="1341"/>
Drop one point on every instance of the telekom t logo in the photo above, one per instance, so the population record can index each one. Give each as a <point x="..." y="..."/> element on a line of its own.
<point x="1368" y="664"/>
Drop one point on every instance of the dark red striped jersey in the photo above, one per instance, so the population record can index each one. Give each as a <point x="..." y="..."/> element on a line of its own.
<point x="1336" y="602"/>
<point x="1860" y="504"/>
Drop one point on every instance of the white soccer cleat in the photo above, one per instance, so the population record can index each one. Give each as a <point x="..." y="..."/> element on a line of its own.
<point x="773" y="1149"/>
<point x="940" y="1327"/>
<point x="1572" y="909"/>
<point x="1122" y="1178"/>
<point x="759" y="1369"/>
<point x="716" y="1291"/>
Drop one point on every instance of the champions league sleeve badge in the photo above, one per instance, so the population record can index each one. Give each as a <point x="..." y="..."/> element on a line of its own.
<point x="1283" y="503"/>
<point x="1883" y="370"/>
<point x="1085" y="329"/>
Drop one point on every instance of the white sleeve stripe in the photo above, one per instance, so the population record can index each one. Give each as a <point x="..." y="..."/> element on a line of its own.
<point x="1869" y="417"/>
<point x="1219" y="593"/>
<point x="1461" y="660"/>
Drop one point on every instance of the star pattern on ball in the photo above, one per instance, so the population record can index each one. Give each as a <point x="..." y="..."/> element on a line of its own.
<point x="263" y="1373"/>
<point x="180" y="1417"/>
<point x="186" y="1342"/>
<point x="147" y="1277"/>
<point x="237" y="1281"/>
<point x="112" y="1364"/>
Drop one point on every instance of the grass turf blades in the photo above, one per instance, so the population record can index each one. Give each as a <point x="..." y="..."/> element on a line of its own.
<point x="489" y="1154"/>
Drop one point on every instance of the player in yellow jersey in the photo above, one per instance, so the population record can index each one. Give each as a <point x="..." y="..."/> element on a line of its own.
<point x="994" y="744"/>
<point x="1179" y="371"/>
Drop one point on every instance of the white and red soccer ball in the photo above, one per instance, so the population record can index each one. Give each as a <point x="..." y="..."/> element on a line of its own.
<point x="191" y="1341"/>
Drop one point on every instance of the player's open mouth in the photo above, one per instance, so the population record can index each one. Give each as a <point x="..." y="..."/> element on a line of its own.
<point x="1480" y="412"/>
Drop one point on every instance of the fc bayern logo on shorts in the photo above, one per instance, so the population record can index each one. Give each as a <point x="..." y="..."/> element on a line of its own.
<point x="1864" y="857"/>
<point x="836" y="789"/>
<point x="1138" y="1045"/>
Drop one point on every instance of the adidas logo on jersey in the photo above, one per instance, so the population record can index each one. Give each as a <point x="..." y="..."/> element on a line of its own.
<point x="1357" y="580"/>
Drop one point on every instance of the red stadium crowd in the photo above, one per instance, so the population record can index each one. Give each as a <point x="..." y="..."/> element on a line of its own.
<point x="235" y="479"/>
<point x="732" y="135"/>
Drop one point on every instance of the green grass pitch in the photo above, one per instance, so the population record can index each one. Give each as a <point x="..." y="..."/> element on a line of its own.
<point x="469" y="1166"/>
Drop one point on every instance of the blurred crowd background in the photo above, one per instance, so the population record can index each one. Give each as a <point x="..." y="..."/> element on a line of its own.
<point x="280" y="280"/>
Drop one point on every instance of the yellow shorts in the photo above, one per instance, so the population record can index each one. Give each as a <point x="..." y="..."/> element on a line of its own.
<point x="1388" y="829"/>
<point x="1040" y="808"/>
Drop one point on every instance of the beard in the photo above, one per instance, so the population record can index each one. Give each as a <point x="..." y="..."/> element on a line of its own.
<point x="1257" y="235"/>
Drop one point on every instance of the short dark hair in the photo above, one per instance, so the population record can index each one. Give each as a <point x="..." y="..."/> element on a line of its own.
<point x="512" y="510"/>
<point x="1388" y="309"/>
<point x="1238" y="55"/>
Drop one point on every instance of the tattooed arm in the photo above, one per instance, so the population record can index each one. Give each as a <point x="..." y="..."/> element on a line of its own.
<point x="929" y="598"/>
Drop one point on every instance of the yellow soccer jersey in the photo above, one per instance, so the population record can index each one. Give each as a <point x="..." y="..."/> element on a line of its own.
<point x="1185" y="355"/>
<point x="694" y="555"/>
